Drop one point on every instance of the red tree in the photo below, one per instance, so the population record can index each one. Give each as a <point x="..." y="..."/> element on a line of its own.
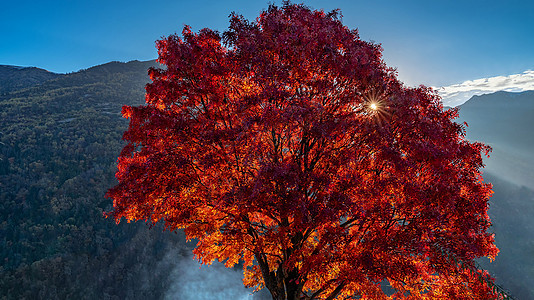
<point x="288" y="145"/>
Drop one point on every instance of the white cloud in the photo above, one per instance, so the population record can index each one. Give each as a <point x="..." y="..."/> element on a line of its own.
<point x="456" y="94"/>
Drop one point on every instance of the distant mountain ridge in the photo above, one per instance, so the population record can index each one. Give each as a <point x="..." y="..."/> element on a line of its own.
<point x="13" y="78"/>
<point x="502" y="99"/>
<point x="505" y="121"/>
<point x="16" y="77"/>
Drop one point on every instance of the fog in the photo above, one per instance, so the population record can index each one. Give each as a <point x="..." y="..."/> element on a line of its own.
<point x="509" y="164"/>
<point x="193" y="281"/>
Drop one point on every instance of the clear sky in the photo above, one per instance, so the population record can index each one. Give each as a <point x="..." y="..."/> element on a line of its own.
<point x="431" y="42"/>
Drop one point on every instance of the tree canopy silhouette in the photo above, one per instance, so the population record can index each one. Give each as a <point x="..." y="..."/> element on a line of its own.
<point x="288" y="145"/>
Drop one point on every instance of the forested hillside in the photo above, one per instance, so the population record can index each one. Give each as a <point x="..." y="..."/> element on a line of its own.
<point x="59" y="141"/>
<point x="13" y="78"/>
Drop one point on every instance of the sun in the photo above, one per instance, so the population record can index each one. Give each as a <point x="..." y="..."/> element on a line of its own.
<point x="375" y="105"/>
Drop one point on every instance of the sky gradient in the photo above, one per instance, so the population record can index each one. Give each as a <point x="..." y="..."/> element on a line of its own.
<point x="435" y="43"/>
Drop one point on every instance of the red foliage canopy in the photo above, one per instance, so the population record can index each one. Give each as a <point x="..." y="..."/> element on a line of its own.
<point x="287" y="144"/>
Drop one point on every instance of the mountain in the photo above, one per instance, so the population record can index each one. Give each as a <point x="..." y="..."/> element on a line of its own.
<point x="59" y="141"/>
<point x="14" y="77"/>
<point x="505" y="120"/>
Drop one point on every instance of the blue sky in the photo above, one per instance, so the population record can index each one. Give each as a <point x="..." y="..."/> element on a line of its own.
<point x="430" y="42"/>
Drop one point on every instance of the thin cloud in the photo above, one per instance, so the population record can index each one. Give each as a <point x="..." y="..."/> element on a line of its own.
<point x="456" y="94"/>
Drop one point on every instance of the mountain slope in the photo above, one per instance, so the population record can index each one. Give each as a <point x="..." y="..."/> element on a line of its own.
<point x="59" y="141"/>
<point x="13" y="78"/>
<point x="505" y="121"/>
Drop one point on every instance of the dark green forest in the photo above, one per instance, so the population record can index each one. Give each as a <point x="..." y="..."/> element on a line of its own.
<point x="13" y="78"/>
<point x="60" y="135"/>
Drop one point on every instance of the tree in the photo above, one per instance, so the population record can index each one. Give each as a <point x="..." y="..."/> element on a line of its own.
<point x="288" y="145"/>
